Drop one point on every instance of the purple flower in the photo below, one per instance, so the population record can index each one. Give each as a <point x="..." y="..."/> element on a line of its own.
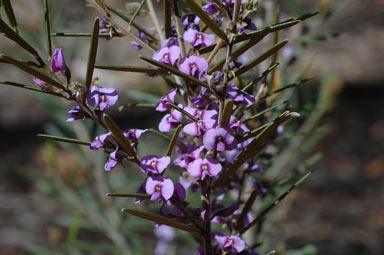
<point x="159" y="189"/>
<point x="200" y="168"/>
<point x="142" y="37"/>
<point x="240" y="96"/>
<point x="165" y="235"/>
<point x="106" y="27"/>
<point x="168" y="98"/>
<point x="190" y="21"/>
<point x="167" y="55"/>
<point x="154" y="164"/>
<point x="101" y="97"/>
<point x="194" y="65"/>
<point x="134" y="134"/>
<point x="58" y="62"/>
<point x="186" y="183"/>
<point x="170" y="121"/>
<point x="42" y="84"/>
<point x="171" y="41"/>
<point x="246" y="24"/>
<point x="220" y="138"/>
<point x="206" y="120"/>
<point x="100" y="141"/>
<point x="232" y="243"/>
<point x="76" y="114"/>
<point x="254" y="167"/>
<point x="211" y="8"/>
<point x="237" y="125"/>
<point x="204" y="99"/>
<point x="196" y="38"/>
<point x="185" y="159"/>
<point x="258" y="186"/>
<point x="112" y="160"/>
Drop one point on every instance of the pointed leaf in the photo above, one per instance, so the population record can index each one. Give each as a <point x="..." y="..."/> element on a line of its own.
<point x="137" y="11"/>
<point x="63" y="139"/>
<point x="259" y="77"/>
<point x="4" y="28"/>
<point x="31" y="70"/>
<point x="265" y="111"/>
<point x="92" y="54"/>
<point x="275" y="202"/>
<point x="136" y="69"/>
<point x="121" y="14"/>
<point x="136" y="105"/>
<point x="243" y="48"/>
<point x="128" y="195"/>
<point x="47" y="28"/>
<point x="261" y="58"/>
<point x="118" y="134"/>
<point x="19" y="85"/>
<point x="161" y="220"/>
<point x="196" y="9"/>
<point x="174" y="140"/>
<point x="255" y="146"/>
<point x="69" y="34"/>
<point x="174" y="71"/>
<point x="292" y="85"/>
<point x="10" y="14"/>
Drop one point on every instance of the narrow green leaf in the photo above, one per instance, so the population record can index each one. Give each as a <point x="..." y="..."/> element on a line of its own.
<point x="10" y="14"/>
<point x="137" y="11"/>
<point x="259" y="77"/>
<point x="19" y="85"/>
<point x="275" y="202"/>
<point x="253" y="133"/>
<point x="255" y="146"/>
<point x="4" y="28"/>
<point x="167" y="18"/>
<point x="118" y="134"/>
<point x="74" y="229"/>
<point x="196" y="9"/>
<point x="127" y="195"/>
<point x="136" y="69"/>
<point x="161" y="220"/>
<point x="247" y="207"/>
<point x="122" y="15"/>
<point x="47" y="28"/>
<point x="70" y="34"/>
<point x="63" y="139"/>
<point x="243" y="48"/>
<point x="32" y="71"/>
<point x="92" y="54"/>
<point x="261" y="58"/>
<point x="136" y="105"/>
<point x="265" y="111"/>
<point x="174" y="71"/>
<point x="174" y="139"/>
<point x="225" y="116"/>
<point x="292" y="85"/>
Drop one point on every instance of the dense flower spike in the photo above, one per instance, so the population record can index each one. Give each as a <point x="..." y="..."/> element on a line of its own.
<point x="231" y="243"/>
<point x="196" y="38"/>
<point x="200" y="168"/>
<point x="159" y="189"/>
<point x="194" y="65"/>
<point x="152" y="164"/>
<point x="101" y="97"/>
<point x="167" y="55"/>
<point x="168" y="98"/>
<point x="58" y="62"/>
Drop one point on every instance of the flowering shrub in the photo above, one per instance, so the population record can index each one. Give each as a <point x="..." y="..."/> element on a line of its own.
<point x="215" y="108"/>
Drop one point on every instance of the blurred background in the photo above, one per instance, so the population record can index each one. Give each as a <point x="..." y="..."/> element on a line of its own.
<point x="338" y="210"/>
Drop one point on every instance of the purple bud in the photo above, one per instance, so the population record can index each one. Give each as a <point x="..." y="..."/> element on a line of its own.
<point x="211" y="8"/>
<point x="239" y="96"/>
<point x="58" y="62"/>
<point x="112" y="161"/>
<point x="42" y="84"/>
<point x="76" y="114"/>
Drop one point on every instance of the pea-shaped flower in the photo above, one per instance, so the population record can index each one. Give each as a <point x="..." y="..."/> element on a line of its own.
<point x="220" y="138"/>
<point x="194" y="65"/>
<point x="200" y="168"/>
<point x="168" y="98"/>
<point x="58" y="62"/>
<point x="232" y="243"/>
<point x="152" y="164"/>
<point x="167" y="55"/>
<point x="159" y="189"/>
<point x="101" y="97"/>
<point x="196" y="38"/>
